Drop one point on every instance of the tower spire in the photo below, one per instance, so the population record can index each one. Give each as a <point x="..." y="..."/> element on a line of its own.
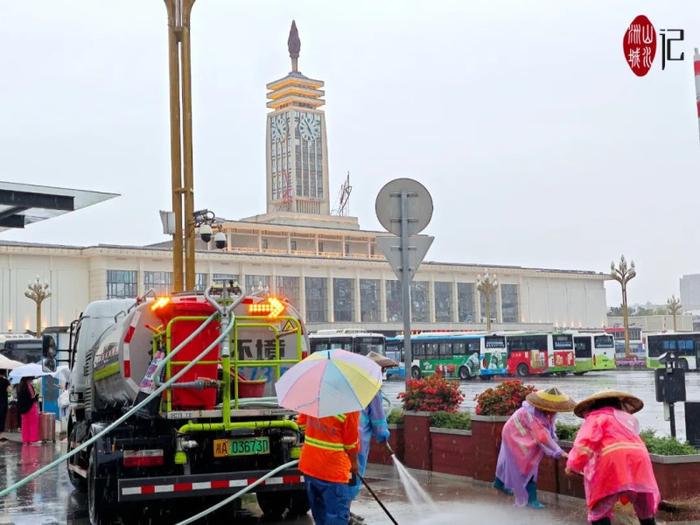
<point x="294" y="45"/>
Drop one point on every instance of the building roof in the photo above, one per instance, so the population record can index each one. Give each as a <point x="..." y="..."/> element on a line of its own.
<point x="23" y="204"/>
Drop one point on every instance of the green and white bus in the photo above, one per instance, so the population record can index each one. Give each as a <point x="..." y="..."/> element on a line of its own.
<point x="593" y="351"/>
<point x="685" y="345"/>
<point x="457" y="355"/>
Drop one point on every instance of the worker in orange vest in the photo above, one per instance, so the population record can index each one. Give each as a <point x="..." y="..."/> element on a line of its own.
<point x="328" y="462"/>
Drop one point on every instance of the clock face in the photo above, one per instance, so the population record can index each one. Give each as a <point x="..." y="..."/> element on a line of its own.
<point x="278" y="126"/>
<point x="310" y="126"/>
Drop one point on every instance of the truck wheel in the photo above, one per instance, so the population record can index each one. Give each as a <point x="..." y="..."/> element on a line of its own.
<point x="415" y="372"/>
<point x="522" y="370"/>
<point x="278" y="505"/>
<point x="99" y="506"/>
<point x="79" y="482"/>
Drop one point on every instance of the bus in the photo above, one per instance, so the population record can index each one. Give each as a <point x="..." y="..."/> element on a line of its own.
<point x="637" y="348"/>
<point x="540" y="353"/>
<point x="457" y="355"/>
<point x="394" y="350"/>
<point x="23" y="350"/>
<point x="352" y="340"/>
<point x="685" y="345"/>
<point x="593" y="351"/>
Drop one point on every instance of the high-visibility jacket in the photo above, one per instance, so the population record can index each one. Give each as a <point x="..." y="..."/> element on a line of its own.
<point x="327" y="441"/>
<point x="611" y="456"/>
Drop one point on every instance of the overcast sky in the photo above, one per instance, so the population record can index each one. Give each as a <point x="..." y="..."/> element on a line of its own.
<point x="539" y="145"/>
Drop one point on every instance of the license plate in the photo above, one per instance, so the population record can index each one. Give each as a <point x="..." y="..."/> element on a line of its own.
<point x="241" y="447"/>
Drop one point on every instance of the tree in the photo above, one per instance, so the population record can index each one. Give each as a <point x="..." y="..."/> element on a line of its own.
<point x="623" y="274"/>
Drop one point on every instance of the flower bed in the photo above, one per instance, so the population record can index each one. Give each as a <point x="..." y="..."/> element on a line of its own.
<point x="503" y="400"/>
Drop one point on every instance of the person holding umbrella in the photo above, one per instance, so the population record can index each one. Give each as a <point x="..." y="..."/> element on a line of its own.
<point x="329" y="389"/>
<point x="4" y="386"/>
<point x="27" y="405"/>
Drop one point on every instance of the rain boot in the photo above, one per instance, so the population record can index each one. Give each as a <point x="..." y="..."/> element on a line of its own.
<point x="648" y="521"/>
<point x="498" y="485"/>
<point x="532" y="495"/>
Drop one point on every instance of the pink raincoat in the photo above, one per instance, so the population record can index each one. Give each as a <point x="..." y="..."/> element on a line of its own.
<point x="614" y="462"/>
<point x="527" y="436"/>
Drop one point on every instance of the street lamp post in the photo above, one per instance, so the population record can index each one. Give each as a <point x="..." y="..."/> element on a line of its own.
<point x="37" y="292"/>
<point x="623" y="274"/>
<point x="674" y="308"/>
<point x="486" y="286"/>
<point x="182" y="178"/>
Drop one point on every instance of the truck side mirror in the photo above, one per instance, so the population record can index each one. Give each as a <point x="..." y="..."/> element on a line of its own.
<point x="48" y="346"/>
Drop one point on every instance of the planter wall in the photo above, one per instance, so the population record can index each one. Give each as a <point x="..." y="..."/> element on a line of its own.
<point x="416" y="427"/>
<point x="452" y="451"/>
<point x="378" y="452"/>
<point x="677" y="476"/>
<point x="486" y="435"/>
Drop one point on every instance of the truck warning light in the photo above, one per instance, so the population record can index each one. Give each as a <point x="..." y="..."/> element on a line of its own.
<point x="272" y="307"/>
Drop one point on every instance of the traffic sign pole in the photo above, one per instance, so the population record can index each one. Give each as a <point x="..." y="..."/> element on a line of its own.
<point x="405" y="286"/>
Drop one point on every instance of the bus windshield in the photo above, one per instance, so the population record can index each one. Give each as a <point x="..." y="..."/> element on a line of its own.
<point x="365" y="345"/>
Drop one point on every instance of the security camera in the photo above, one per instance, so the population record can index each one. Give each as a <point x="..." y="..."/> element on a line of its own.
<point x="205" y="232"/>
<point x="220" y="240"/>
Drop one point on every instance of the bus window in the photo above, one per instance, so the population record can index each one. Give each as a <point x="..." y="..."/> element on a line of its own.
<point x="603" y="341"/>
<point x="431" y="349"/>
<point x="365" y="345"/>
<point x="418" y="350"/>
<point x="582" y="347"/>
<point x="458" y="348"/>
<point x="562" y="342"/>
<point x="445" y="349"/>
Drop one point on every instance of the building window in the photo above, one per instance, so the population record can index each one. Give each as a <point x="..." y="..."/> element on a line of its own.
<point x="293" y="245"/>
<point x="160" y="282"/>
<point x="420" y="302"/>
<point x="494" y="307"/>
<point x="265" y="244"/>
<point x="316" y="299"/>
<point x="320" y="246"/>
<point x="393" y="301"/>
<point x="465" y="303"/>
<point x="509" y="303"/>
<point x="121" y="284"/>
<point x="257" y="283"/>
<point x="288" y="287"/>
<point x="369" y="300"/>
<point x="443" y="302"/>
<point x="225" y="277"/>
<point x="201" y="281"/>
<point x="344" y="300"/>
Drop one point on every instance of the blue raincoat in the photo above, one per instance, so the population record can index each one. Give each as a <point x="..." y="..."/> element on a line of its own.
<point x="372" y="424"/>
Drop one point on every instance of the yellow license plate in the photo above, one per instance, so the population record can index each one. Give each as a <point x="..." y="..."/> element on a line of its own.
<point x="241" y="447"/>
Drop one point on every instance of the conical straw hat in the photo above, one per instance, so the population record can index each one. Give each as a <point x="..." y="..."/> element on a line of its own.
<point x="381" y="360"/>
<point x="551" y="400"/>
<point x="630" y="403"/>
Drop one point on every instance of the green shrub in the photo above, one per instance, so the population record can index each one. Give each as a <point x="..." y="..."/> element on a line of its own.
<point x="567" y="432"/>
<point x="456" y="420"/>
<point x="666" y="445"/>
<point x="395" y="417"/>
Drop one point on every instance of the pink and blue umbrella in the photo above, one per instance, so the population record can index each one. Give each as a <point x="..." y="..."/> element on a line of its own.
<point x="328" y="383"/>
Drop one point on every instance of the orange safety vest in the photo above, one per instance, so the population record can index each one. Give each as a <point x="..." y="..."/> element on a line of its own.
<point x="327" y="441"/>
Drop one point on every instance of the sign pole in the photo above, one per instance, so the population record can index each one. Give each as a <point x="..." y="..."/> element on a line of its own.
<point x="405" y="286"/>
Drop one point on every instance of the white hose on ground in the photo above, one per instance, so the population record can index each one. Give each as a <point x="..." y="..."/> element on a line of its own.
<point x="238" y="494"/>
<point x="126" y="416"/>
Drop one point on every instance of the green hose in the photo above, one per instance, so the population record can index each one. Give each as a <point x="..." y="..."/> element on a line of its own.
<point x="127" y="415"/>
<point x="238" y="494"/>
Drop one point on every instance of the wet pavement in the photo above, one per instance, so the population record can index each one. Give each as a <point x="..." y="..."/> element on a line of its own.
<point x="639" y="383"/>
<point x="51" y="499"/>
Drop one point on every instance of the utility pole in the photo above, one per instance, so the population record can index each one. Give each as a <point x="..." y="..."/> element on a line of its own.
<point x="487" y="286"/>
<point x="624" y="274"/>
<point x="182" y="179"/>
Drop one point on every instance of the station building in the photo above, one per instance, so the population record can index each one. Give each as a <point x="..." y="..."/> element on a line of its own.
<point x="321" y="261"/>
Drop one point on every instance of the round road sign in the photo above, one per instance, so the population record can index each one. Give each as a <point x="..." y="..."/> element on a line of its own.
<point x="419" y="206"/>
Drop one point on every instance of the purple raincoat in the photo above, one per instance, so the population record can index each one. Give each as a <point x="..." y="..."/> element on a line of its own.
<point x="527" y="436"/>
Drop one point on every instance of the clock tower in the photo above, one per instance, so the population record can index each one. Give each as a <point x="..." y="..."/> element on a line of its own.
<point x="297" y="151"/>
